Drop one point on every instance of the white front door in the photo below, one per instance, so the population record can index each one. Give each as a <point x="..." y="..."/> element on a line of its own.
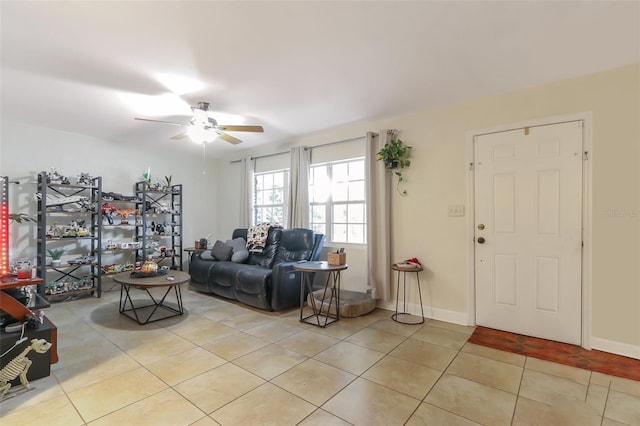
<point x="528" y="231"/>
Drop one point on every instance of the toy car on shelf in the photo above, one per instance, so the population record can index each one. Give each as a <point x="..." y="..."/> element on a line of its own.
<point x="113" y="268"/>
<point x="116" y="196"/>
<point x="84" y="260"/>
<point x="57" y="200"/>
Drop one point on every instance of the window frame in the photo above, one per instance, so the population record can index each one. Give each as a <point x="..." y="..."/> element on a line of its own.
<point x="285" y="196"/>
<point x="330" y="203"/>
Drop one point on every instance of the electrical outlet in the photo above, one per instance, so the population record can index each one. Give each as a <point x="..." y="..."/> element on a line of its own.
<point x="455" y="210"/>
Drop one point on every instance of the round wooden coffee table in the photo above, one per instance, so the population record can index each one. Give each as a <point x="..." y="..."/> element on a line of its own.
<point x="144" y="314"/>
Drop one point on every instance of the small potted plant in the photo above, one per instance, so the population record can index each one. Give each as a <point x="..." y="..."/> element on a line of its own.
<point x="395" y="155"/>
<point x="56" y="255"/>
<point x="167" y="183"/>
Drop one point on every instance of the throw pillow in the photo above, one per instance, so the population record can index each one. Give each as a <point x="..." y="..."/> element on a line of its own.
<point x="240" y="256"/>
<point x="221" y="251"/>
<point x="206" y="255"/>
<point x="238" y="244"/>
<point x="240" y="252"/>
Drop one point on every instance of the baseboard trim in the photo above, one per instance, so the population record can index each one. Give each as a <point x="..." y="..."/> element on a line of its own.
<point x="618" y="348"/>
<point x="455" y="317"/>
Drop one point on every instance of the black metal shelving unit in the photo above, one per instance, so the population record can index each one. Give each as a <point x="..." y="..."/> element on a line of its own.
<point x="69" y="281"/>
<point x="160" y="207"/>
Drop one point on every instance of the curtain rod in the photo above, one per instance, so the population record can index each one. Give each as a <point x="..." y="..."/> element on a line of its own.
<point x="307" y="148"/>
<point x="261" y="156"/>
<point x="310" y="148"/>
<point x="270" y="155"/>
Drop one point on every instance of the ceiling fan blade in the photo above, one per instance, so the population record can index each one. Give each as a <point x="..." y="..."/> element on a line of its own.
<point x="180" y="136"/>
<point x="160" y="121"/>
<point x="258" y="129"/>
<point x="228" y="138"/>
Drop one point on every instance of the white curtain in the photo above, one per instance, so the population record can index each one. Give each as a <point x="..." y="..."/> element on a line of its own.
<point x="378" y="218"/>
<point x="298" y="211"/>
<point x="246" y="190"/>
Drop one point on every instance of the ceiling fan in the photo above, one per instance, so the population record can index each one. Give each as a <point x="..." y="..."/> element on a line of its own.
<point x="204" y="128"/>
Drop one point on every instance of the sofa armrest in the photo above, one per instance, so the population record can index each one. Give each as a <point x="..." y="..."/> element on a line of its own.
<point x="199" y="268"/>
<point x="285" y="286"/>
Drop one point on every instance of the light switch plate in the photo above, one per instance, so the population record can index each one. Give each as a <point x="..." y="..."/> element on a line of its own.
<point x="455" y="210"/>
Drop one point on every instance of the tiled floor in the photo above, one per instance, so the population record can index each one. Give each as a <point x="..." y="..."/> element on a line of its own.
<point x="228" y="365"/>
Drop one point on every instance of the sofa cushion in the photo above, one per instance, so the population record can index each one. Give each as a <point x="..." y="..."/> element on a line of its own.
<point x="224" y="273"/>
<point x="221" y="251"/>
<point x="296" y="244"/>
<point x="253" y="279"/>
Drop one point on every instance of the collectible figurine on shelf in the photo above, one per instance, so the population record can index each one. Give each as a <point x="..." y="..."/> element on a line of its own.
<point x="107" y="212"/>
<point x="54" y="231"/>
<point x="157" y="228"/>
<point x="55" y="177"/>
<point x="85" y="179"/>
<point x="146" y="176"/>
<point x="124" y="215"/>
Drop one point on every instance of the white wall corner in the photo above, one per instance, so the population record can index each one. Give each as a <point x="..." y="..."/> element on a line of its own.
<point x="454" y="317"/>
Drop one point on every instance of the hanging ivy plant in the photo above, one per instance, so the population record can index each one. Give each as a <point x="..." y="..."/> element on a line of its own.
<point x="395" y="156"/>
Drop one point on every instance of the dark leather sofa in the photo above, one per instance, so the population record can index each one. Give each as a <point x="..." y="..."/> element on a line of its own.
<point x="267" y="280"/>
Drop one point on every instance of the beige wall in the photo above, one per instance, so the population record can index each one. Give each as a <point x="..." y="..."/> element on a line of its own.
<point x="439" y="177"/>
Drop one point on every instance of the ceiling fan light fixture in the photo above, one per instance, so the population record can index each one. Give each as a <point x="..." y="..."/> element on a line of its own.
<point x="200" y="135"/>
<point x="204" y="128"/>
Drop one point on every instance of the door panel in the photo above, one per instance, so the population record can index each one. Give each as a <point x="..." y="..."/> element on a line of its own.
<point x="528" y="230"/>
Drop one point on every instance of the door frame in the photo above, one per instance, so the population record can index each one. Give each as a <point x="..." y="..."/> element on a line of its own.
<point x="586" y="269"/>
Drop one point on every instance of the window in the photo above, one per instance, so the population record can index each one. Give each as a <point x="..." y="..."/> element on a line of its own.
<point x="269" y="197"/>
<point x="337" y="201"/>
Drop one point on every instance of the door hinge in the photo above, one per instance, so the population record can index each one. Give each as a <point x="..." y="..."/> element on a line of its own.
<point x="586" y="155"/>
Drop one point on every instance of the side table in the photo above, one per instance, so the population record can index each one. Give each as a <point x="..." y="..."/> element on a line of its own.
<point x="332" y="286"/>
<point x="404" y="317"/>
<point x="191" y="250"/>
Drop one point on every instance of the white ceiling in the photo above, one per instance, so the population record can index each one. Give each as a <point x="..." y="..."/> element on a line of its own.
<point x="293" y="67"/>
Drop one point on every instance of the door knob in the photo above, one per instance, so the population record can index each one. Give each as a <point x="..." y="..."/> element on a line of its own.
<point x="480" y="240"/>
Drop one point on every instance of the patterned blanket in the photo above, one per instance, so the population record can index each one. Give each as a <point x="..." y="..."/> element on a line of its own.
<point x="257" y="236"/>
